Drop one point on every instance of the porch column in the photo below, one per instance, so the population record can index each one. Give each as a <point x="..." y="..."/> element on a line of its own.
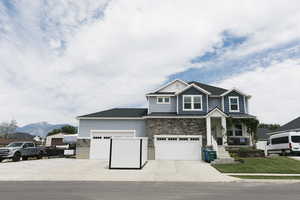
<point x="208" y="132"/>
<point x="224" y="130"/>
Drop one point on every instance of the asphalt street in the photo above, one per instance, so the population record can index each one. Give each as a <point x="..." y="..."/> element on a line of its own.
<point x="147" y="190"/>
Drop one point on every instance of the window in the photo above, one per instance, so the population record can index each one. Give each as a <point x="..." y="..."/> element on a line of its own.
<point x="296" y="139"/>
<point x="183" y="139"/>
<point x="234" y="104"/>
<point x="192" y="102"/>
<point x="238" y="130"/>
<point x="280" y="140"/>
<point x="229" y="133"/>
<point x="163" y="100"/>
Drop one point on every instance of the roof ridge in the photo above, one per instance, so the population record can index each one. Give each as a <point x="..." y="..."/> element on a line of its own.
<point x="206" y="84"/>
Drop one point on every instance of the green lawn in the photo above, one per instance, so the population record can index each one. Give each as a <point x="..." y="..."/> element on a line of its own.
<point x="282" y="165"/>
<point x="270" y="177"/>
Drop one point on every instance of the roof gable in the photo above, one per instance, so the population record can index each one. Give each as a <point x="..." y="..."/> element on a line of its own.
<point x="194" y="86"/>
<point x="173" y="86"/>
<point x="235" y="90"/>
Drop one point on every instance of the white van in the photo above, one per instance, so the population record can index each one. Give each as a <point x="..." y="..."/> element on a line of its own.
<point x="284" y="143"/>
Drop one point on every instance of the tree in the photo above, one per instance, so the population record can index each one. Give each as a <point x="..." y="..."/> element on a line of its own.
<point x="8" y="127"/>
<point x="69" y="130"/>
<point x="271" y="127"/>
<point x="54" y="131"/>
<point x="65" y="129"/>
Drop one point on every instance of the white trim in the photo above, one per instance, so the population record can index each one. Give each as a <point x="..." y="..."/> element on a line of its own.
<point x="177" y="104"/>
<point x="238" y="103"/>
<point x="148" y="106"/>
<point x="214" y="110"/>
<point x="140" y="118"/>
<point x="290" y="130"/>
<point x="245" y="111"/>
<point x="222" y="102"/>
<point x="81" y="138"/>
<point x="195" y="86"/>
<point x="238" y="91"/>
<point x="93" y="131"/>
<point x="207" y="103"/>
<point x="166" y="85"/>
<point x="192" y="103"/>
<point x="164" y="100"/>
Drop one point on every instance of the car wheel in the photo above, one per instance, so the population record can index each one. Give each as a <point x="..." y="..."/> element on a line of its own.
<point x="1" y="159"/>
<point x="16" y="157"/>
<point x="24" y="158"/>
<point x="40" y="156"/>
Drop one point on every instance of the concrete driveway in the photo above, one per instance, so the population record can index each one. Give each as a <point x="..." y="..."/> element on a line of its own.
<point x="94" y="170"/>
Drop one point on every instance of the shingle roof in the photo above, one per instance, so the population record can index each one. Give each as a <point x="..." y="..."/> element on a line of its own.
<point x="294" y="124"/>
<point x="262" y="133"/>
<point x="212" y="89"/>
<point x="119" y="112"/>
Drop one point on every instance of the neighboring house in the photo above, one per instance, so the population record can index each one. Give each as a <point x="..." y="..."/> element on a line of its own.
<point x="56" y="139"/>
<point x="175" y="111"/>
<point x="293" y="125"/>
<point x="262" y="138"/>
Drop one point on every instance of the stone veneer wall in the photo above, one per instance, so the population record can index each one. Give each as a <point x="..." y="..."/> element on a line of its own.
<point x="83" y="148"/>
<point x="173" y="126"/>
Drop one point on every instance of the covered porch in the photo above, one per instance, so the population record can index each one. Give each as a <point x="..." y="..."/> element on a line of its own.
<point x="225" y="130"/>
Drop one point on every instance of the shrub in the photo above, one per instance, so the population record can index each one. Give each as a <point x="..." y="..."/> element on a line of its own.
<point x="246" y="152"/>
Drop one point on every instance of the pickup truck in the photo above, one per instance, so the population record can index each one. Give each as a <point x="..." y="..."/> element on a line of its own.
<point x="18" y="150"/>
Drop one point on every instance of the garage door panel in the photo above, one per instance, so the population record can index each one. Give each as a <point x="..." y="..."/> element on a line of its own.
<point x="178" y="148"/>
<point x="100" y="143"/>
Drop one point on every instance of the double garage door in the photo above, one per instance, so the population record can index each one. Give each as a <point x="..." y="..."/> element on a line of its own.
<point x="167" y="147"/>
<point x="100" y="142"/>
<point x="178" y="147"/>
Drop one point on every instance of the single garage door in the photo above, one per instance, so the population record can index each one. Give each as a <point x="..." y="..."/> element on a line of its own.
<point x="100" y="142"/>
<point x="178" y="147"/>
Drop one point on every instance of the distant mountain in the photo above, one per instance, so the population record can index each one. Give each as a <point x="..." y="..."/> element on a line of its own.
<point x="40" y="128"/>
<point x="18" y="136"/>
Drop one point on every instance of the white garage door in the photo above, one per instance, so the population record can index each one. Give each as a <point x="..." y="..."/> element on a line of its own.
<point x="178" y="147"/>
<point x="100" y="142"/>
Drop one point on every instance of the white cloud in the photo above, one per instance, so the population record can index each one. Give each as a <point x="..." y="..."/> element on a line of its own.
<point x="59" y="59"/>
<point x="274" y="90"/>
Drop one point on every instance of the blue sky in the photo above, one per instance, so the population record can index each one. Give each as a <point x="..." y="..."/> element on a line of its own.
<point x="60" y="59"/>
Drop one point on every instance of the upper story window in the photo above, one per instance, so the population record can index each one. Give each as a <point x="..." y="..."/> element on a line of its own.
<point x="234" y="104"/>
<point x="192" y="102"/>
<point x="163" y="100"/>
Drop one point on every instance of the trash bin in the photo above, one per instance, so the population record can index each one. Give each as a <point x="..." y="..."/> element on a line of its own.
<point x="209" y="155"/>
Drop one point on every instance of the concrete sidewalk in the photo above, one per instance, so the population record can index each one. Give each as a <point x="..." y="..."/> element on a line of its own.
<point x="94" y="170"/>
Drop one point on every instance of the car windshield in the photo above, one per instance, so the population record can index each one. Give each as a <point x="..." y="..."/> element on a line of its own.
<point x="15" y="144"/>
<point x="296" y="139"/>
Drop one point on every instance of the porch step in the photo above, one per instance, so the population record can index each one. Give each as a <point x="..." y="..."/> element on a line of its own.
<point x="223" y="157"/>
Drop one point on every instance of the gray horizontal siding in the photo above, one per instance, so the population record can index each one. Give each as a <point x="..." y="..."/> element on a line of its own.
<point x="192" y="91"/>
<point x="241" y="102"/>
<point x="155" y="107"/>
<point x="86" y="125"/>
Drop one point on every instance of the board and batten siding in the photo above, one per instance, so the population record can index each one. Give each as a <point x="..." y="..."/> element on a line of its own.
<point x="86" y="125"/>
<point x="156" y="107"/>
<point x="241" y="102"/>
<point x="214" y="102"/>
<point x="192" y="91"/>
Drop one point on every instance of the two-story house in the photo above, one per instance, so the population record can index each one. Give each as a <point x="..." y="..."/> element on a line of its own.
<point x="176" y="112"/>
